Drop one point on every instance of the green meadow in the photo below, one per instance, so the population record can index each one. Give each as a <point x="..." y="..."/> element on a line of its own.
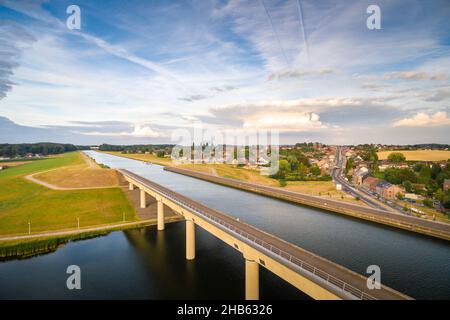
<point x="22" y="201"/>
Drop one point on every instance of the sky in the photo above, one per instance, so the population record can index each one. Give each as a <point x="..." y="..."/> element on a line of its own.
<point x="136" y="71"/>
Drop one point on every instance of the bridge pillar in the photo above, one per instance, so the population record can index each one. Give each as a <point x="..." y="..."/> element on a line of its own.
<point x="130" y="187"/>
<point x="143" y="201"/>
<point x="190" y="240"/>
<point x="160" y="215"/>
<point x="251" y="280"/>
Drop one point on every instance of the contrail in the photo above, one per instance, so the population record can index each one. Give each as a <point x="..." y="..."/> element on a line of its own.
<point x="302" y="25"/>
<point x="275" y="33"/>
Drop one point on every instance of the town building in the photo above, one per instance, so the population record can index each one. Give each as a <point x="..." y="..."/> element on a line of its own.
<point x="370" y="183"/>
<point x="446" y="184"/>
<point x="360" y="175"/>
<point x="387" y="190"/>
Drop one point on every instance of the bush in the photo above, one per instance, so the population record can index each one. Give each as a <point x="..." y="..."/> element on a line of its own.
<point x="282" y="182"/>
<point x="428" y="203"/>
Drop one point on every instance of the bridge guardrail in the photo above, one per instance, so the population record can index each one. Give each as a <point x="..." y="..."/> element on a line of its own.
<point x="329" y="279"/>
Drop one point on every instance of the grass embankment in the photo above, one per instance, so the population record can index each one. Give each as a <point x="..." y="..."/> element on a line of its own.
<point x="22" y="201"/>
<point x="87" y="174"/>
<point x="418" y="155"/>
<point x="429" y="213"/>
<point x="325" y="189"/>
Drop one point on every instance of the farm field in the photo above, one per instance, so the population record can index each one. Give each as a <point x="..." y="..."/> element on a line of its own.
<point x="23" y="201"/>
<point x="419" y="155"/>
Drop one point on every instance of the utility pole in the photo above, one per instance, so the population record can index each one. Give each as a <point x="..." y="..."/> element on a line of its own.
<point x="29" y="227"/>
<point x="78" y="222"/>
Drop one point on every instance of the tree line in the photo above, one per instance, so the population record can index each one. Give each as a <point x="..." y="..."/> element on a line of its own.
<point x="43" y="148"/>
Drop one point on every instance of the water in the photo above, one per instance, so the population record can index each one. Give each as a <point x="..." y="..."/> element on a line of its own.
<point x="147" y="264"/>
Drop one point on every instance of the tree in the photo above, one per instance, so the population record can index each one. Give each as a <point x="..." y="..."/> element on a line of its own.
<point x="408" y="186"/>
<point x="428" y="203"/>
<point x="160" y="154"/>
<point x="398" y="176"/>
<point x="348" y="165"/>
<point x="302" y="169"/>
<point x="425" y="174"/>
<point x="435" y="170"/>
<point x="396" y="157"/>
<point x="293" y="162"/>
<point x="283" y="169"/>
<point x="439" y="195"/>
<point x="315" y="170"/>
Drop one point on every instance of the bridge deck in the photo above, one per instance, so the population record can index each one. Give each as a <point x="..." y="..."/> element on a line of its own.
<point x="331" y="275"/>
<point x="433" y="228"/>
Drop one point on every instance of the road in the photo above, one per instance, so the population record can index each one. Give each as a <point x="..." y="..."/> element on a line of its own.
<point x="337" y="176"/>
<point x="328" y="273"/>
<point x="432" y="228"/>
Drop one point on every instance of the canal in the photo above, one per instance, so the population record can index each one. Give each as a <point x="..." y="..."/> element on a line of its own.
<point x="146" y="264"/>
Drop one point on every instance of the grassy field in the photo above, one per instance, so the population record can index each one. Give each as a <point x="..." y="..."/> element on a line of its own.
<point x="419" y="155"/>
<point x="13" y="163"/>
<point x="23" y="201"/>
<point x="83" y="175"/>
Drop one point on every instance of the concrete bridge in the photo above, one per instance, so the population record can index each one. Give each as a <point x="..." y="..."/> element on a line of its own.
<point x="317" y="277"/>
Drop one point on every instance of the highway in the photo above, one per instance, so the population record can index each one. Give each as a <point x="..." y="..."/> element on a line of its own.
<point x="432" y="228"/>
<point x="342" y="281"/>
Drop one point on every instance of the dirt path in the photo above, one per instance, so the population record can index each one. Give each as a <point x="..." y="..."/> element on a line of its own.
<point x="53" y="187"/>
<point x="91" y="165"/>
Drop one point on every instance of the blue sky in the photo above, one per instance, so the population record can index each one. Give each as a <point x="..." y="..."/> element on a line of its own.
<point x="137" y="70"/>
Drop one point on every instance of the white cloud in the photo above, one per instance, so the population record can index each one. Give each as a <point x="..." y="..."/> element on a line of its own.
<point x="139" y="131"/>
<point x="284" y="121"/>
<point x="422" y="119"/>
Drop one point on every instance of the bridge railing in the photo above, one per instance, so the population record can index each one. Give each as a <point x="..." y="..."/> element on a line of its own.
<point x="329" y="279"/>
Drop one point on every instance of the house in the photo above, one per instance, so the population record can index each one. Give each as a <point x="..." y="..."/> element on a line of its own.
<point x="446" y="184"/>
<point x="387" y="190"/>
<point x="413" y="197"/>
<point x="360" y="175"/>
<point x="370" y="183"/>
<point x="262" y="162"/>
<point x="387" y="165"/>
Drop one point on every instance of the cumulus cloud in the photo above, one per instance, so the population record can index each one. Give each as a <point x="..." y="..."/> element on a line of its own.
<point x="422" y="119"/>
<point x="139" y="131"/>
<point x="284" y="121"/>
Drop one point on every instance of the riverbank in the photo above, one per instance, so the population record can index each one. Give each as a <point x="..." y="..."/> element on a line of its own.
<point x="434" y="229"/>
<point x="21" y="247"/>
